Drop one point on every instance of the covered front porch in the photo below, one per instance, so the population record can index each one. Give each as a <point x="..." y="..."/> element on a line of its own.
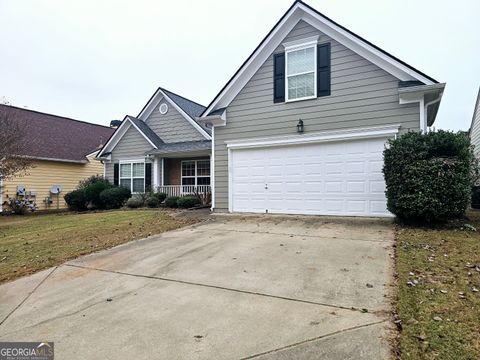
<point x="179" y="169"/>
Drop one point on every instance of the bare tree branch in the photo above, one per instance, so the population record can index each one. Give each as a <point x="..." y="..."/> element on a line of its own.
<point x="13" y="143"/>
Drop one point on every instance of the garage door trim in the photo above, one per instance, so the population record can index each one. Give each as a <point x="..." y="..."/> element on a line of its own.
<point x="324" y="136"/>
<point x="330" y="136"/>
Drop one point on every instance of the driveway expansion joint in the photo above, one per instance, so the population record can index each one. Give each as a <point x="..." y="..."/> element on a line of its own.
<point x="29" y="294"/>
<point x="152" y="277"/>
<point x="341" y="331"/>
<point x="304" y="235"/>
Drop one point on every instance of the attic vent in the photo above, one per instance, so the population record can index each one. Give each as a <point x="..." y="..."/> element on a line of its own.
<point x="163" y="109"/>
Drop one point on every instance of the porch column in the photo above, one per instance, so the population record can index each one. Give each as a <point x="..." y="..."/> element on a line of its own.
<point x="156" y="173"/>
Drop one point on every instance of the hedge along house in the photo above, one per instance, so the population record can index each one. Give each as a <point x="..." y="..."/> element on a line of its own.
<point x="62" y="151"/>
<point x="163" y="149"/>
<point x="301" y="127"/>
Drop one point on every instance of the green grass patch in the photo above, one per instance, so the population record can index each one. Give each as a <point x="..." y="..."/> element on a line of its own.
<point x="438" y="270"/>
<point x="35" y="242"/>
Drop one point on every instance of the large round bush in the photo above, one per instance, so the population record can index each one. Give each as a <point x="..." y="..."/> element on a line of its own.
<point x="188" y="201"/>
<point x="76" y="200"/>
<point x="134" y="202"/>
<point x="171" y="201"/>
<point x="115" y="197"/>
<point x="160" y="196"/>
<point x="152" y="202"/>
<point x="428" y="176"/>
<point x="92" y="193"/>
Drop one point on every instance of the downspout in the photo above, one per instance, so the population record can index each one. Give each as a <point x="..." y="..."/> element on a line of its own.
<point x="212" y="170"/>
<point x="434" y="101"/>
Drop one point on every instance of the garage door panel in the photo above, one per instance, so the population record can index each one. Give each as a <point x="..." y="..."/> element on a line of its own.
<point x="356" y="187"/>
<point x="338" y="178"/>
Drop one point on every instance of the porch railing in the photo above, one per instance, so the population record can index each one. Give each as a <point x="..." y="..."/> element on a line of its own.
<point x="180" y="190"/>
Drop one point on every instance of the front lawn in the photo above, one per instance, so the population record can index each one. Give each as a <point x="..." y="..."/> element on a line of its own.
<point x="34" y="242"/>
<point x="437" y="300"/>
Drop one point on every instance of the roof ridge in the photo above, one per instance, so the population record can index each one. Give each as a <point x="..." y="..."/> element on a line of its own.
<point x="54" y="115"/>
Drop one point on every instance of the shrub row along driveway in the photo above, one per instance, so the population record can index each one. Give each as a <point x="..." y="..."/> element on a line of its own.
<point x="236" y="287"/>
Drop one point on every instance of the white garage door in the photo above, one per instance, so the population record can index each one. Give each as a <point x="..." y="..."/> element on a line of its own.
<point x="336" y="178"/>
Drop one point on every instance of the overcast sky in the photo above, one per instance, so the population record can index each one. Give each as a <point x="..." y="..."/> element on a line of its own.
<point x="97" y="60"/>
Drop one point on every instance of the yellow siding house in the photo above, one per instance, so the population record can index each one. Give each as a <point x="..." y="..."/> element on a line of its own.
<point x="63" y="153"/>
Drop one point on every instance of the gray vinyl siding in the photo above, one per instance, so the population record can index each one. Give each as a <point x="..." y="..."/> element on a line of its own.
<point x="132" y="146"/>
<point x="362" y="95"/>
<point x="475" y="130"/>
<point x="172" y="127"/>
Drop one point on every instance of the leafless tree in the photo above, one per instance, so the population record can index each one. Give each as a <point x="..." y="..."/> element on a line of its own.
<point x="12" y="143"/>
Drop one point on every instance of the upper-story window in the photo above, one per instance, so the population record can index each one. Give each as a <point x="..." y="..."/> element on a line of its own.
<point x="301" y="73"/>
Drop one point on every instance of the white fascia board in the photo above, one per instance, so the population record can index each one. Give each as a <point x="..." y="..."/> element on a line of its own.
<point x="150" y="107"/>
<point x="301" y="12"/>
<point x="93" y="153"/>
<point x="324" y="136"/>
<point x="113" y="141"/>
<point x="155" y="101"/>
<point x="253" y="64"/>
<point x="364" y="49"/>
<point x="214" y="120"/>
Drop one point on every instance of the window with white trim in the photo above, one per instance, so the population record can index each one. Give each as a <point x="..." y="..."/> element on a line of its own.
<point x="132" y="176"/>
<point x="196" y="172"/>
<point x="301" y="72"/>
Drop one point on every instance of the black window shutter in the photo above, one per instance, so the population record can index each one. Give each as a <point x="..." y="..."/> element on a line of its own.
<point x="323" y="70"/>
<point x="279" y="78"/>
<point x="115" y="174"/>
<point x="148" y="177"/>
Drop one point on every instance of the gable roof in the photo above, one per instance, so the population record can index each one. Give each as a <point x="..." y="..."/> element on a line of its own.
<point x="189" y="109"/>
<point x="302" y="11"/>
<point x="145" y="130"/>
<point x="53" y="137"/>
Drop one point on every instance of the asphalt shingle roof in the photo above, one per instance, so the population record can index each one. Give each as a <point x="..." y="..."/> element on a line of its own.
<point x="182" y="147"/>
<point x="57" y="137"/>
<point x="192" y="108"/>
<point x="147" y="131"/>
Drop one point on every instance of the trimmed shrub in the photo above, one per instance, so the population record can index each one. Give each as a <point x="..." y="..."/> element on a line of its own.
<point x="76" y="200"/>
<point x="160" y="196"/>
<point x="152" y="202"/>
<point x="171" y="201"/>
<point x="91" y="180"/>
<point x="92" y="193"/>
<point x="429" y="176"/>
<point x="134" y="202"/>
<point x="476" y="197"/>
<point x="188" y="201"/>
<point x="115" y="197"/>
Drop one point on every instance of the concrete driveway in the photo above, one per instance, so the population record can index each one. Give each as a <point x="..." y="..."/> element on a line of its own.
<point x="233" y="287"/>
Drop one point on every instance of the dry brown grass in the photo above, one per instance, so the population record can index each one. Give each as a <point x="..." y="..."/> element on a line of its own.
<point x="443" y="264"/>
<point x="35" y="242"/>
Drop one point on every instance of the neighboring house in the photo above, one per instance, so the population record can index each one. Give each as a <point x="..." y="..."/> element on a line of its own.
<point x="475" y="127"/>
<point x="63" y="152"/>
<point x="164" y="148"/>
<point x="300" y="128"/>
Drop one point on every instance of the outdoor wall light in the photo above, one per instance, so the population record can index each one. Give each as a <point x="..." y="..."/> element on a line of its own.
<point x="300" y="126"/>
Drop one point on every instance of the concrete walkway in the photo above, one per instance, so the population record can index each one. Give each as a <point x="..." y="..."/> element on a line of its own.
<point x="262" y="287"/>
